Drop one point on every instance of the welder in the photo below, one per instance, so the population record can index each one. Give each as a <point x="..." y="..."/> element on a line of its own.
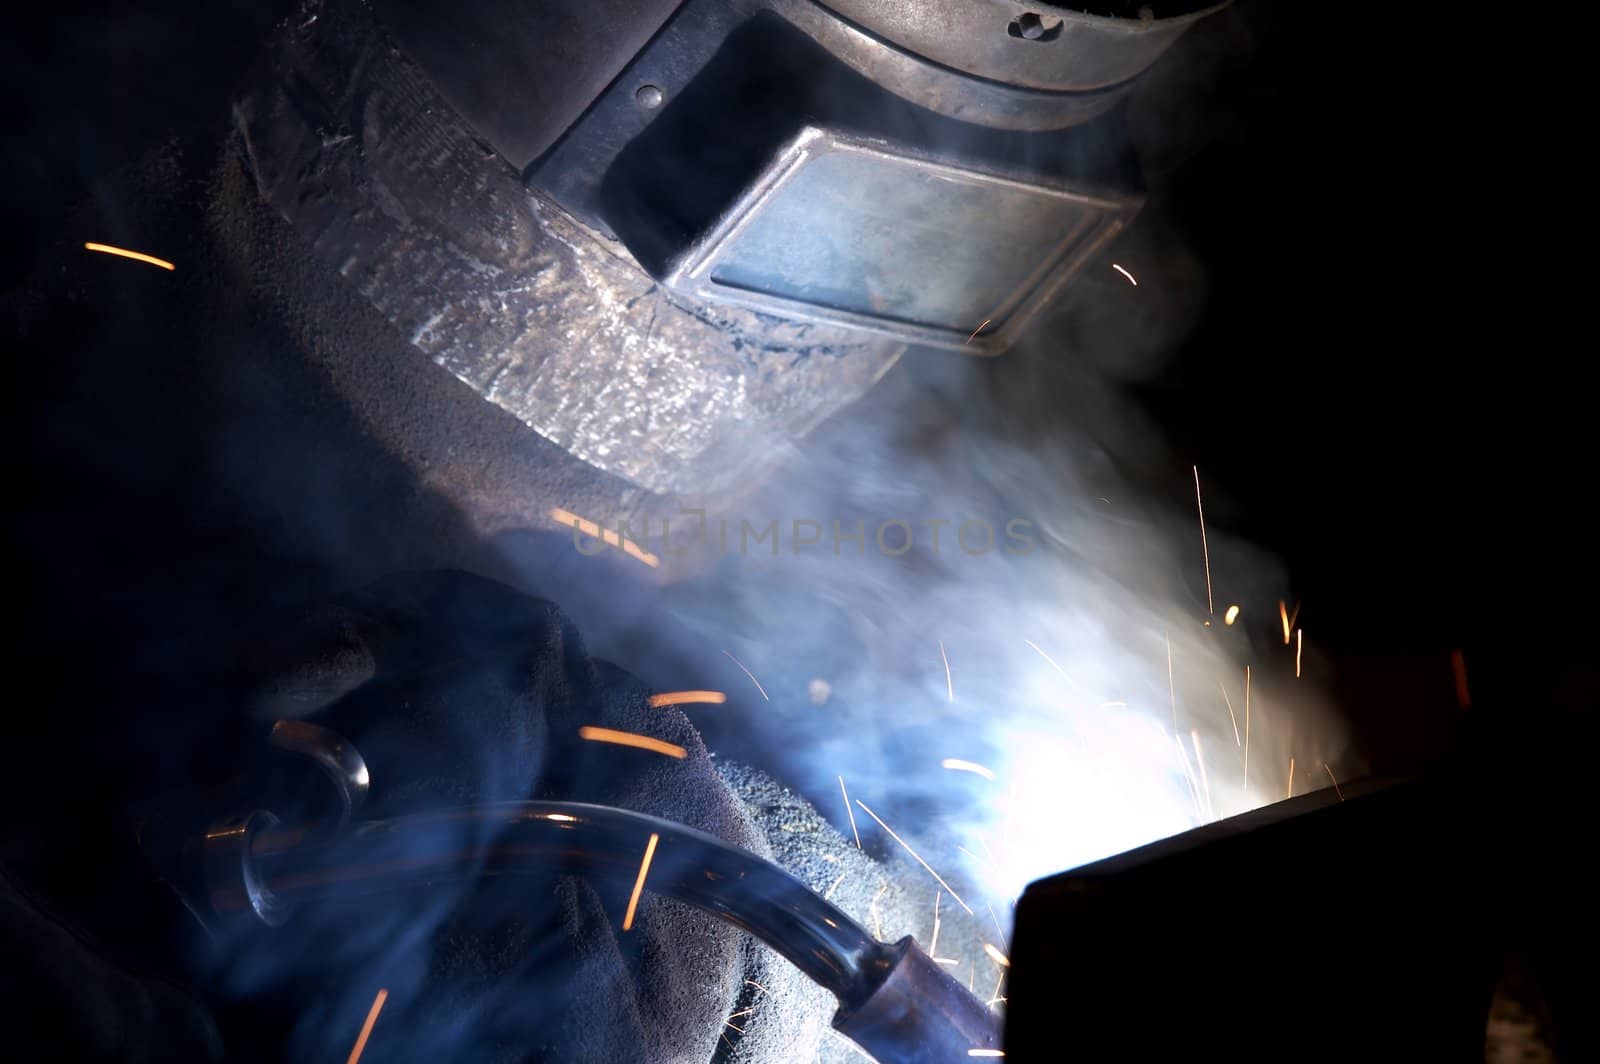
<point x="454" y="283"/>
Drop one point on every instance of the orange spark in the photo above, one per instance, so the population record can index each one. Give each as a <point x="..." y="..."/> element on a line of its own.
<point x="679" y="698"/>
<point x="1458" y="663"/>
<point x="1290" y="792"/>
<point x="1231" y="616"/>
<point x="1299" y="645"/>
<point x="915" y="855"/>
<point x="986" y="1052"/>
<point x="638" y="884"/>
<point x="589" y="528"/>
<point x="955" y="764"/>
<point x="750" y="674"/>
<point x="1287" y="618"/>
<point x="366" y="1028"/>
<point x="1229" y="702"/>
<point x="1126" y="274"/>
<point x="995" y="955"/>
<point x="137" y="256"/>
<point x="758" y="986"/>
<point x="1210" y="607"/>
<point x="948" y="686"/>
<point x="850" y="812"/>
<point x="622" y="738"/>
<point x="835" y="887"/>
<point x="1336" y="789"/>
<point x="978" y="330"/>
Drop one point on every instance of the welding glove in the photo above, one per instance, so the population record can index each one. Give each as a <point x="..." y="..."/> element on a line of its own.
<point x="457" y="689"/>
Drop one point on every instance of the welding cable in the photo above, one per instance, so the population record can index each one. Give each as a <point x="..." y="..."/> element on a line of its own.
<point x="893" y="999"/>
<point x="576" y="839"/>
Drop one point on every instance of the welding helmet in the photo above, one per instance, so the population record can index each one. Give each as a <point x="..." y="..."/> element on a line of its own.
<point x="669" y="235"/>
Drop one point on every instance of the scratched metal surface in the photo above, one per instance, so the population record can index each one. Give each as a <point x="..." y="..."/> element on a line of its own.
<point x="535" y="313"/>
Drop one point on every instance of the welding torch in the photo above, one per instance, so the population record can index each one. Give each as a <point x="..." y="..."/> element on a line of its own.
<point x="894" y="1001"/>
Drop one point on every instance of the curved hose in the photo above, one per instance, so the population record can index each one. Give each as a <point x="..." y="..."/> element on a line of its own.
<point x="690" y="866"/>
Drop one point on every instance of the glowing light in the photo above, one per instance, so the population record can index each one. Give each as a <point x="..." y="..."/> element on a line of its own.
<point x="1247" y="727"/>
<point x="622" y="738"/>
<point x="750" y="674"/>
<point x="605" y="535"/>
<point x="1200" y="760"/>
<point x="758" y="986"/>
<point x="851" y="812"/>
<point x="933" y="943"/>
<point x="1290" y="792"/>
<point x="638" y="884"/>
<point x="1458" y="665"/>
<point x="1231" y="616"/>
<point x="1210" y="607"/>
<point x="948" y="686"/>
<point x="562" y="818"/>
<point x="137" y="256"/>
<point x="1126" y="274"/>
<point x="995" y="955"/>
<point x="916" y="856"/>
<point x="986" y="1052"/>
<point x="680" y="698"/>
<point x="829" y="895"/>
<point x="1299" y="645"/>
<point x="366" y="1028"/>
<point x="1188" y="775"/>
<point x="1336" y="789"/>
<point x="1172" y="691"/>
<point x="955" y="764"/>
<point x="978" y="330"/>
